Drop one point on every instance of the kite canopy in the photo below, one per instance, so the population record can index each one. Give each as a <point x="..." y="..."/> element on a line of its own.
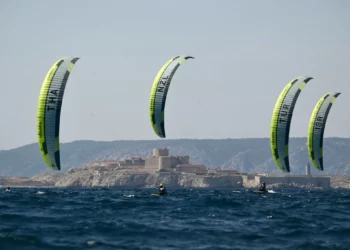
<point x="317" y="126"/>
<point x="159" y="93"/>
<point x="281" y="121"/>
<point x="49" y="110"/>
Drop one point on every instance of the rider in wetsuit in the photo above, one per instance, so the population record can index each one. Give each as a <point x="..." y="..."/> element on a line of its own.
<point x="162" y="190"/>
<point x="263" y="187"/>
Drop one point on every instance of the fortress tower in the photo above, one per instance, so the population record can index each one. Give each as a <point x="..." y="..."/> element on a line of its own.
<point x="161" y="161"/>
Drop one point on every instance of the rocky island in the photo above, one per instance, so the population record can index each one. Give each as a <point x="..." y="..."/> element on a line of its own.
<point x="174" y="171"/>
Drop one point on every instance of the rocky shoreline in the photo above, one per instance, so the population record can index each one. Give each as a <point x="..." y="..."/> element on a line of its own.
<point x="89" y="176"/>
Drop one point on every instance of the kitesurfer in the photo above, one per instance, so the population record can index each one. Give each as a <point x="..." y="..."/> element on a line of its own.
<point x="162" y="189"/>
<point x="8" y="189"/>
<point x="263" y="187"/>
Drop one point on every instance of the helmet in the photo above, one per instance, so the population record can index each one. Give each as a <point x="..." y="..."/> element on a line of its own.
<point x="161" y="185"/>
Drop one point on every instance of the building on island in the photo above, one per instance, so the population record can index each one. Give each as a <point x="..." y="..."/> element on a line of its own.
<point x="308" y="171"/>
<point x="159" y="161"/>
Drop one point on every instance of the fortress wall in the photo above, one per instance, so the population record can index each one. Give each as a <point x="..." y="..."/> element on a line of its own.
<point x="177" y="160"/>
<point x="152" y="162"/>
<point x="187" y="168"/>
<point x="174" y="161"/>
<point x="184" y="159"/>
<point x="161" y="152"/>
<point x="164" y="162"/>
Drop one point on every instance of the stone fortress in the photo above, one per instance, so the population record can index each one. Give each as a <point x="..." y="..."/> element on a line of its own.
<point x="163" y="163"/>
<point x="159" y="161"/>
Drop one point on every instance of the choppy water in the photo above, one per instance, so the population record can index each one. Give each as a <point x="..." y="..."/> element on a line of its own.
<point x="186" y="219"/>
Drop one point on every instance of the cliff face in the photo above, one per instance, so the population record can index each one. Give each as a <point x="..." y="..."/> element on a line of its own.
<point x="246" y="155"/>
<point x="104" y="177"/>
<point x="86" y="177"/>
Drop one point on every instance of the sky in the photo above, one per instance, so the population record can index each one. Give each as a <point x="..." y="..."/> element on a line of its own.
<point x="245" y="53"/>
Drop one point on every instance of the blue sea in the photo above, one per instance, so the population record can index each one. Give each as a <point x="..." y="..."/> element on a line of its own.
<point x="109" y="218"/>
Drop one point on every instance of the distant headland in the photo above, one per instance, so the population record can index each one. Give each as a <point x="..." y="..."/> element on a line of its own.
<point x="250" y="155"/>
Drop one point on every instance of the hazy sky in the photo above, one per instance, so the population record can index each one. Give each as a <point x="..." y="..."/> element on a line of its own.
<point x="245" y="53"/>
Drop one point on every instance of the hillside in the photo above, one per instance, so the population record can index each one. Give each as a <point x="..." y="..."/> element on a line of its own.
<point x="245" y="155"/>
